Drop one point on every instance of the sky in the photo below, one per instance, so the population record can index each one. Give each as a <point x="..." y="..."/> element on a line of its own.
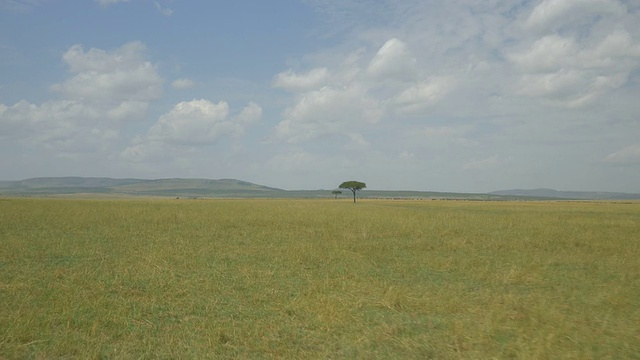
<point x="457" y="95"/>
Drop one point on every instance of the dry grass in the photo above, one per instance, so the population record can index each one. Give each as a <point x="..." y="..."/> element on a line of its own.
<point x="318" y="279"/>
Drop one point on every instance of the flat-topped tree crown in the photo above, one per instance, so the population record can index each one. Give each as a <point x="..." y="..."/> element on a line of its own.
<point x="353" y="186"/>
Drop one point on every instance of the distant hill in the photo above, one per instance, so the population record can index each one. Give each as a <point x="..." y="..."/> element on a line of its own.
<point x="577" y="195"/>
<point x="232" y="188"/>
<point x="196" y="188"/>
<point x="64" y="182"/>
<point x="138" y="187"/>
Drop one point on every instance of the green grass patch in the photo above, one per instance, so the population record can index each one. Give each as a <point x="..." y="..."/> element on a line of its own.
<point x="318" y="279"/>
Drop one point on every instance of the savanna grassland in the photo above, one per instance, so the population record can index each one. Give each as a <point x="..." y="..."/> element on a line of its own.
<point x="149" y="278"/>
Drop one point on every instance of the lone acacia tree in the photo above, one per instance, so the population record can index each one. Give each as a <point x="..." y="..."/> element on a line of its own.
<point x="353" y="186"/>
<point x="336" y="193"/>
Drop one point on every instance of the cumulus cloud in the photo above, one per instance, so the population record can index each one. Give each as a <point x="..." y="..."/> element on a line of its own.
<point x="194" y="122"/>
<point x="422" y="95"/>
<point x="191" y="123"/>
<point x="110" y="76"/>
<point x="552" y="13"/>
<point x="616" y="52"/>
<point x="105" y="89"/>
<point x="128" y="110"/>
<point x="356" y="92"/>
<point x="546" y="54"/>
<point x="455" y="82"/>
<point x="251" y="114"/>
<point x="393" y="61"/>
<point x="183" y="83"/>
<point x="27" y="119"/>
<point x="120" y="78"/>
<point x="291" y="81"/>
<point x="441" y="85"/>
<point x="62" y="126"/>
<point x="326" y="111"/>
<point x="578" y="65"/>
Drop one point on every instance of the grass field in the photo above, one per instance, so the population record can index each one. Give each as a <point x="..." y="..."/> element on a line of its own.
<point x="318" y="279"/>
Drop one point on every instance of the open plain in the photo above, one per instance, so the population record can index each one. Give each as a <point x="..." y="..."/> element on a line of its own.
<point x="295" y="278"/>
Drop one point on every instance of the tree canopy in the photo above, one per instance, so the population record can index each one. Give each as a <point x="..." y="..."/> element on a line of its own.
<point x="353" y="186"/>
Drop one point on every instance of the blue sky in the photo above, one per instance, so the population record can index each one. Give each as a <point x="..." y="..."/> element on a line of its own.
<point x="453" y="95"/>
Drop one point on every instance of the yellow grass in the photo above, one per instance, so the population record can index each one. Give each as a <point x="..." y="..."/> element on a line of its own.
<point x="318" y="279"/>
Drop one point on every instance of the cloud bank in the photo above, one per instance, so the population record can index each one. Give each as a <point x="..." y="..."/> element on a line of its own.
<point x="404" y="94"/>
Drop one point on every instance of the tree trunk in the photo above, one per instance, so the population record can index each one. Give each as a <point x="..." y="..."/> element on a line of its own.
<point x="354" y="194"/>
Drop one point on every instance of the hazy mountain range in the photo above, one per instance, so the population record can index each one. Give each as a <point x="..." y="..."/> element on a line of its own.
<point x="584" y="195"/>
<point x="194" y="188"/>
<point x="159" y="187"/>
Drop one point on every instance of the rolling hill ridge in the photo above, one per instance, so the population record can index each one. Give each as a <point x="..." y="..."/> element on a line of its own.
<point x="232" y="188"/>
<point x="138" y="187"/>
<point x="577" y="195"/>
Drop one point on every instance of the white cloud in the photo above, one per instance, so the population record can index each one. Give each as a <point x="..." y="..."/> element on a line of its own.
<point x="422" y="95"/>
<point x="103" y="76"/>
<point x="617" y="50"/>
<point x="163" y="10"/>
<point x="393" y="61"/>
<point x="630" y="155"/>
<point x="562" y="83"/>
<point x="434" y="91"/>
<point x="574" y="73"/>
<point x="329" y="110"/>
<point x="356" y="93"/>
<point x="128" y="110"/>
<point x="191" y="124"/>
<point x="251" y="114"/>
<point x="113" y="81"/>
<point x="105" y="89"/>
<point x="615" y="53"/>
<point x="449" y="85"/>
<point x="551" y="13"/>
<point x="291" y="81"/>
<point x="194" y="122"/>
<point x="547" y="54"/>
<point x="127" y="57"/>
<point x="26" y="120"/>
<point x="110" y="2"/>
<point x="183" y="83"/>
<point x="60" y="126"/>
